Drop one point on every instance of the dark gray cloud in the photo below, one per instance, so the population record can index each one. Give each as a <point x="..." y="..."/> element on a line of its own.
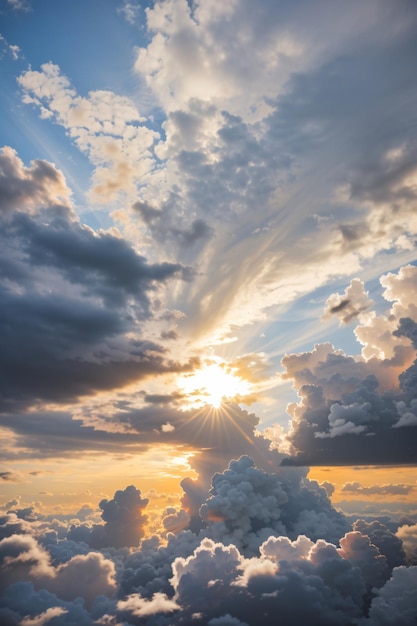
<point x="384" y="539"/>
<point x="69" y="296"/>
<point x="9" y="477"/>
<point x="394" y="604"/>
<point x="124" y="520"/>
<point x="245" y="503"/>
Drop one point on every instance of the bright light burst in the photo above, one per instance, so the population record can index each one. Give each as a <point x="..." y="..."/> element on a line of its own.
<point x="214" y="384"/>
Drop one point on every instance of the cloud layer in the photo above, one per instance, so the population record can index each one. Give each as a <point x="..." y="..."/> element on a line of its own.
<point x="263" y="547"/>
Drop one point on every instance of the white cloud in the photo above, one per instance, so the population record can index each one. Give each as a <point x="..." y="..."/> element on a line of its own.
<point x="106" y="127"/>
<point x="141" y="607"/>
<point x="130" y="11"/>
<point x="43" y="618"/>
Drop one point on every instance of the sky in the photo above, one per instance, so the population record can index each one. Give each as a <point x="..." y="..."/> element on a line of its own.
<point x="208" y="320"/>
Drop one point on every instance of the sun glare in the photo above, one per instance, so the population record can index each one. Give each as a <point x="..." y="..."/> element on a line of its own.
<point x="215" y="384"/>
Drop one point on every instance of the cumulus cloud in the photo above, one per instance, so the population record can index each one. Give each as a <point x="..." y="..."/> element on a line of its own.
<point x="384" y="539"/>
<point x="19" y="5"/>
<point x="217" y="575"/>
<point x="351" y="304"/>
<point x="105" y="126"/>
<point x="141" y="607"/>
<point x="245" y="504"/>
<point x="408" y="536"/>
<point x="86" y="576"/>
<point x="359" y="409"/>
<point x="245" y="589"/>
<point x="11" y="50"/>
<point x="395" y="603"/>
<point x="130" y="11"/>
<point x="124" y="519"/>
<point x="27" y="188"/>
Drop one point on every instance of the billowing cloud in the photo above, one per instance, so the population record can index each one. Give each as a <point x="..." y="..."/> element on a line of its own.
<point x="245" y="503"/>
<point x="359" y="409"/>
<point x="395" y="603"/>
<point x="83" y="575"/>
<point x="408" y="535"/>
<point x="215" y="575"/>
<point x="124" y="520"/>
<point x="350" y="305"/>
<point x="28" y="188"/>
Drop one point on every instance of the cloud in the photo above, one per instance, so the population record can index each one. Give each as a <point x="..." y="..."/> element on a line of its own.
<point x="350" y="305"/>
<point x="408" y="536"/>
<point x="359" y="550"/>
<point x="86" y="576"/>
<point x="12" y="524"/>
<point x="280" y="159"/>
<point x="27" y="188"/>
<point x="395" y="603"/>
<point x="44" y="617"/>
<point x="141" y="607"/>
<point x="227" y="151"/>
<point x="130" y="11"/>
<point x="124" y="520"/>
<point x="245" y="504"/>
<point x="215" y="576"/>
<point x="175" y="521"/>
<point x="255" y="129"/>
<point x="226" y="620"/>
<point x="19" y="5"/>
<point x="9" y="477"/>
<point x="242" y="588"/>
<point x="106" y="127"/>
<point x="358" y="409"/>
<point x="100" y="291"/>
<point x="384" y="539"/>
<point x="390" y="489"/>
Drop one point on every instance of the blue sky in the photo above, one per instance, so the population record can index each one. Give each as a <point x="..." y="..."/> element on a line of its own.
<point x="208" y="251"/>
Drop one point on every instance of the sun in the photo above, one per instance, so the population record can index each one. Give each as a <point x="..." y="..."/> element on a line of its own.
<point x="214" y="384"/>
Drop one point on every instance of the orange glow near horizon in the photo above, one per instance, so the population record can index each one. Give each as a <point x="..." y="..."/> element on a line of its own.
<point x="366" y="476"/>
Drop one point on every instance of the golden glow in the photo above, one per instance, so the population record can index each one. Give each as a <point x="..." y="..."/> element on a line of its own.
<point x="214" y="384"/>
<point x="367" y="476"/>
